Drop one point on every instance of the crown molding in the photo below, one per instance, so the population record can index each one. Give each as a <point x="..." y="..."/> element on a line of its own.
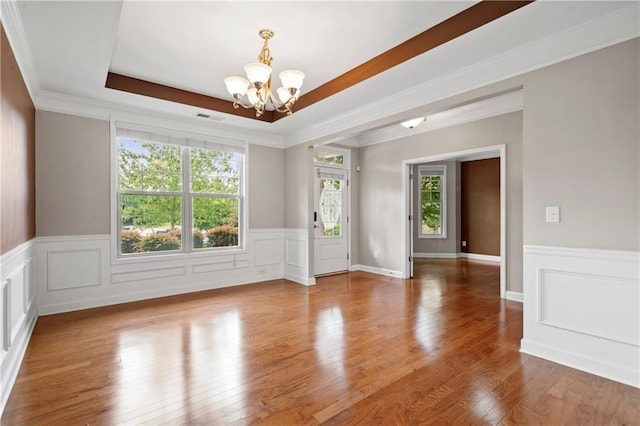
<point x="504" y="104"/>
<point x="13" y="28"/>
<point x="610" y="29"/>
<point x="101" y="110"/>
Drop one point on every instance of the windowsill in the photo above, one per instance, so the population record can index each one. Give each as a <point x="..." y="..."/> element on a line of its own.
<point x="164" y="257"/>
<point x="432" y="237"/>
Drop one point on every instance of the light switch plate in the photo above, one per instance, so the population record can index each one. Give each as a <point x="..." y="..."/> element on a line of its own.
<point x="553" y="214"/>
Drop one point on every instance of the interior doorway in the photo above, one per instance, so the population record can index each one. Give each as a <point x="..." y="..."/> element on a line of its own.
<point x="431" y="179"/>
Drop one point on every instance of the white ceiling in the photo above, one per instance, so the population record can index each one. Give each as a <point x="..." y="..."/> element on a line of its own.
<point x="210" y="40"/>
<point x="69" y="47"/>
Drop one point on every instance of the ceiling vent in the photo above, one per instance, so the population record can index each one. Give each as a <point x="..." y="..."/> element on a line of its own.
<point x="209" y="117"/>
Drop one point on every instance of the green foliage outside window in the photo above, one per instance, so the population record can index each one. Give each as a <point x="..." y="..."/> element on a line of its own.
<point x="150" y="177"/>
<point x="430" y="187"/>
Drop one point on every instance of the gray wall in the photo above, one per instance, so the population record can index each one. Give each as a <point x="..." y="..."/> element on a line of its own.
<point x="439" y="245"/>
<point x="266" y="187"/>
<point x="298" y="186"/>
<point x="381" y="187"/>
<point x="581" y="142"/>
<point x="73" y="178"/>
<point x="72" y="175"/>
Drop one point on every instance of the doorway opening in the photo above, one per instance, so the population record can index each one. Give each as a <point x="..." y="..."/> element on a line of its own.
<point x="427" y="185"/>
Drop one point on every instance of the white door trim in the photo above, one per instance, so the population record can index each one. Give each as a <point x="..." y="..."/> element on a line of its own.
<point x="406" y="235"/>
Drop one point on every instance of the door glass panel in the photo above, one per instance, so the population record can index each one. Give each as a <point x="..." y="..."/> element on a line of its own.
<point x="330" y="207"/>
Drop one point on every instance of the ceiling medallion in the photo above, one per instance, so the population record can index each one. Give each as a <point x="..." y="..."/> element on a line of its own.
<point x="257" y="85"/>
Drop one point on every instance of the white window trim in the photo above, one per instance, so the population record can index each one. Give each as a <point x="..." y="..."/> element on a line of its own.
<point x="430" y="171"/>
<point x="187" y="251"/>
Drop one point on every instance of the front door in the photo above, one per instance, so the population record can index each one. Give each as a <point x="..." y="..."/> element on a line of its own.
<point x="330" y="220"/>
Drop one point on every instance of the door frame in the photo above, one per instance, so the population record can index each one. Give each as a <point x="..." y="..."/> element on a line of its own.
<point x="346" y="153"/>
<point x="407" y="238"/>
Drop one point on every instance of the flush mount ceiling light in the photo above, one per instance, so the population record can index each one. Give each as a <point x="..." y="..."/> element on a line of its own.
<point x="257" y="85"/>
<point x="410" y="124"/>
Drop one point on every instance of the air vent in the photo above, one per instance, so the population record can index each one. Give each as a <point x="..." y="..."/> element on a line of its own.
<point x="209" y="117"/>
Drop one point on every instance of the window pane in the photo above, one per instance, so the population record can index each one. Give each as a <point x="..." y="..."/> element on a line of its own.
<point x="147" y="166"/>
<point x="431" y="218"/>
<point x="328" y="157"/>
<point x="150" y="223"/>
<point x="215" y="222"/>
<point x="215" y="172"/>
<point x="431" y="183"/>
<point x="330" y="207"/>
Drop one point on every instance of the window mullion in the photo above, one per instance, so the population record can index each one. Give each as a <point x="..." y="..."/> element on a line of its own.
<point x="187" y="226"/>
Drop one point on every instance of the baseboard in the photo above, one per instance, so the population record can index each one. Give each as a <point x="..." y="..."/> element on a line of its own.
<point x="614" y="372"/>
<point x="435" y="255"/>
<point x="376" y="270"/>
<point x="474" y="256"/>
<point x="13" y="359"/>
<point x="514" y="296"/>
<point x="300" y="280"/>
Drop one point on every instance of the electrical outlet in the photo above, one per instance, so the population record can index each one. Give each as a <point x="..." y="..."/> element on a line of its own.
<point x="464" y="244"/>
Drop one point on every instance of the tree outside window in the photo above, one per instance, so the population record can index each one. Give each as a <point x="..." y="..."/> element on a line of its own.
<point x="432" y="201"/>
<point x="164" y="189"/>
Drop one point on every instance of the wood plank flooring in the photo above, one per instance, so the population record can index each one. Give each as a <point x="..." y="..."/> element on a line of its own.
<point x="355" y="349"/>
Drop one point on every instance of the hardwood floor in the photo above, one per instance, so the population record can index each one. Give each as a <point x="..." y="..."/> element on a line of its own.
<point x="356" y="348"/>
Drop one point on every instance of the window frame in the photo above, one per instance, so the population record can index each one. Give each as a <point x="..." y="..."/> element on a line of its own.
<point x="197" y="140"/>
<point x="433" y="170"/>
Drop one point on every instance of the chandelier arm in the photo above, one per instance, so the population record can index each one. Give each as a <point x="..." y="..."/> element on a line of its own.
<point x="285" y="108"/>
<point x="238" y="103"/>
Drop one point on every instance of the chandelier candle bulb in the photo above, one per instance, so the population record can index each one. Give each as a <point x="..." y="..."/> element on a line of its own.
<point x="292" y="79"/>
<point x="258" y="73"/>
<point x="283" y="94"/>
<point x="237" y="86"/>
<point x="252" y="94"/>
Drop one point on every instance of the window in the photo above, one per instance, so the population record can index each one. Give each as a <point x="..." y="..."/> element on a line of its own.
<point x="330" y="203"/>
<point x="328" y="157"/>
<point x="167" y="185"/>
<point x="432" y="201"/>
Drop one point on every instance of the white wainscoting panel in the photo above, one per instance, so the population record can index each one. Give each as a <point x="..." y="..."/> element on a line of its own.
<point x="77" y="272"/>
<point x="582" y="309"/>
<point x="18" y="313"/>
<point x="73" y="269"/>
<point x="296" y="256"/>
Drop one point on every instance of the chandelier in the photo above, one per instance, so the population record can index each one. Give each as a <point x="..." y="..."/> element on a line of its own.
<point x="257" y="85"/>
